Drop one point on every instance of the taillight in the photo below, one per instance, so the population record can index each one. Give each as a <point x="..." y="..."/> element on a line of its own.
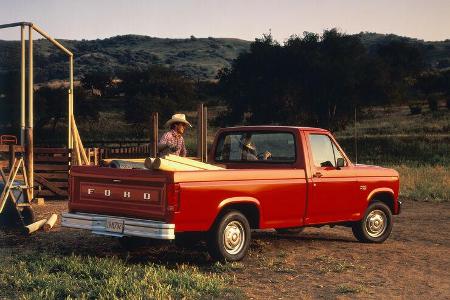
<point x="173" y="197"/>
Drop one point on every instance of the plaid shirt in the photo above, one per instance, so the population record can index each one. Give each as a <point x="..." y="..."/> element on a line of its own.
<point x="174" y="140"/>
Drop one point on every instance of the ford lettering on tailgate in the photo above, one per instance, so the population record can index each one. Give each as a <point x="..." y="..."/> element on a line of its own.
<point x="120" y="193"/>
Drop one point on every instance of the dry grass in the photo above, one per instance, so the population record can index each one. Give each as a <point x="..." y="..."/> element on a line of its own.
<point x="424" y="183"/>
<point x="399" y="121"/>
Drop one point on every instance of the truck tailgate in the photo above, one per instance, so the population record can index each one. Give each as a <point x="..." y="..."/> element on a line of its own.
<point x="118" y="192"/>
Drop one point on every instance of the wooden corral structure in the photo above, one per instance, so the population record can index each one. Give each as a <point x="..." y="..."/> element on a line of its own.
<point x="27" y="105"/>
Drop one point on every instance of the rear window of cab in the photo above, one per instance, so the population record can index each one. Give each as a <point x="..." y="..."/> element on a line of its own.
<point x="256" y="146"/>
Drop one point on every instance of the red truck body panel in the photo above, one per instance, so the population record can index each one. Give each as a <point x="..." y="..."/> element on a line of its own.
<point x="283" y="194"/>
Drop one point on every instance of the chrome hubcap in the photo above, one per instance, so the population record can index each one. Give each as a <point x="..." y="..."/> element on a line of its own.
<point x="376" y="223"/>
<point x="234" y="237"/>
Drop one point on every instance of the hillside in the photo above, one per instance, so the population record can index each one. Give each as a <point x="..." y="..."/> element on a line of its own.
<point x="197" y="58"/>
<point x="437" y="54"/>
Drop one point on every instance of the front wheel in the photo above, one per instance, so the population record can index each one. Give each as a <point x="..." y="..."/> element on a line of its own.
<point x="376" y="226"/>
<point x="230" y="237"/>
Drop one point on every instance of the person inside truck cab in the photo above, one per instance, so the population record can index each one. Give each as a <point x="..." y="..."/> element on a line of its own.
<point x="249" y="150"/>
<point x="172" y="142"/>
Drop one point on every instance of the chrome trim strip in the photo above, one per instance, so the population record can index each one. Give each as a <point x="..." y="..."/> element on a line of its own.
<point x="132" y="227"/>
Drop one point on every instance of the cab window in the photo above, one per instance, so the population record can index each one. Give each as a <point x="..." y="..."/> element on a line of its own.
<point x="257" y="146"/>
<point x="324" y="151"/>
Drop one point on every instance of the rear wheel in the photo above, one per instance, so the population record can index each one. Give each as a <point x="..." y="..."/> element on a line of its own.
<point x="230" y="237"/>
<point x="376" y="226"/>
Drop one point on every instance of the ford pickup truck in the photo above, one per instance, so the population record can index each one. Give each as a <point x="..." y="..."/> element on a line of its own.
<point x="296" y="177"/>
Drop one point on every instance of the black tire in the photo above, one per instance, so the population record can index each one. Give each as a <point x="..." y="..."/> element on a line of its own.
<point x="230" y="237"/>
<point x="27" y="214"/>
<point x="295" y="230"/>
<point x="375" y="226"/>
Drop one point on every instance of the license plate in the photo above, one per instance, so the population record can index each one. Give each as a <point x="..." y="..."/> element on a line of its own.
<point x="114" y="225"/>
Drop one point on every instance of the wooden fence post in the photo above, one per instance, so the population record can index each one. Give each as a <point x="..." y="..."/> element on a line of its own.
<point x="12" y="155"/>
<point x="205" y="134"/>
<point x="200" y="149"/>
<point x="154" y="139"/>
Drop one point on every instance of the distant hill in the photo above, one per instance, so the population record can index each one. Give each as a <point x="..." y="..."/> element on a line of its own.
<point x="196" y="58"/>
<point x="437" y="54"/>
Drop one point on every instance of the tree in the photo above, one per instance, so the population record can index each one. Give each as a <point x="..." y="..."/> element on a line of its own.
<point x="10" y="101"/>
<point x="156" y="89"/>
<point x="432" y="85"/>
<point x="51" y="107"/>
<point x="401" y="61"/>
<point x="315" y="80"/>
<point x="310" y="80"/>
<point x="97" y="80"/>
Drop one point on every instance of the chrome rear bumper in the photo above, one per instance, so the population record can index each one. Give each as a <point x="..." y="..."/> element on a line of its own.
<point x="131" y="227"/>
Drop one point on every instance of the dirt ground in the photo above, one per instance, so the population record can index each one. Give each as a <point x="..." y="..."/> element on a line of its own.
<point x="318" y="263"/>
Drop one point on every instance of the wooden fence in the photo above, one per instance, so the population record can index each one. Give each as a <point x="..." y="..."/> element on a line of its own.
<point x="126" y="152"/>
<point x="51" y="172"/>
<point x="52" y="165"/>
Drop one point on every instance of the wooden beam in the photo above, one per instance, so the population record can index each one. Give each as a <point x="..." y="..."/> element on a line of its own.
<point x="47" y="193"/>
<point x="49" y="185"/>
<point x="5" y="180"/>
<point x="43" y="167"/>
<point x="51" y="150"/>
<point x="200" y="131"/>
<point x="79" y="142"/>
<point x="61" y="184"/>
<point x="34" y="227"/>
<point x="167" y="165"/>
<point x="51" y="222"/>
<point x="12" y="155"/>
<point x="205" y="134"/>
<point x="155" y="138"/>
<point x="9" y="182"/>
<point x="55" y="175"/>
<point x="45" y="158"/>
<point x="190" y="162"/>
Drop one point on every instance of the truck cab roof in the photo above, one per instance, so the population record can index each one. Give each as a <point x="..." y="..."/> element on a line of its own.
<point x="272" y="127"/>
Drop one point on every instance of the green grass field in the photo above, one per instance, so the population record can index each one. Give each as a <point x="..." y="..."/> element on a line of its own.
<point x="34" y="275"/>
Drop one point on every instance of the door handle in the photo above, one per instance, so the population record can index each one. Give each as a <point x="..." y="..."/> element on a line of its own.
<point x="317" y="174"/>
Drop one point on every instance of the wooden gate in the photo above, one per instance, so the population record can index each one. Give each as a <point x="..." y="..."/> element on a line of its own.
<point x="51" y="172"/>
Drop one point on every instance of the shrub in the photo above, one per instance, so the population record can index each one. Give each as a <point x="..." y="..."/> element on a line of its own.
<point x="433" y="103"/>
<point x="415" y="109"/>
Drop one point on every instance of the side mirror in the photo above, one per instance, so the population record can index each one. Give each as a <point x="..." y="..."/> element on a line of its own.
<point x="340" y="162"/>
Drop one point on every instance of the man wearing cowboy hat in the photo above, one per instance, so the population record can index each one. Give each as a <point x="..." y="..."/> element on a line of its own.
<point x="172" y="142"/>
<point x="249" y="150"/>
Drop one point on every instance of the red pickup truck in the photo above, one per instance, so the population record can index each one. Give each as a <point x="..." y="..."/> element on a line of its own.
<point x="301" y="177"/>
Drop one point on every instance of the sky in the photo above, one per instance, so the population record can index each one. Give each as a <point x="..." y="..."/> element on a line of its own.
<point x="245" y="19"/>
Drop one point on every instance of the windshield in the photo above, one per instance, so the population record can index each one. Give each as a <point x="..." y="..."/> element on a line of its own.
<point x="257" y="146"/>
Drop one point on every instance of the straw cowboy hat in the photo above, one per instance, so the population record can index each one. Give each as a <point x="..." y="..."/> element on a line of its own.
<point x="178" y="118"/>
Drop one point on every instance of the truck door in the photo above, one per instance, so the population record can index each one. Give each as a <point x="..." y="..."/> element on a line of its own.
<point x="332" y="190"/>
